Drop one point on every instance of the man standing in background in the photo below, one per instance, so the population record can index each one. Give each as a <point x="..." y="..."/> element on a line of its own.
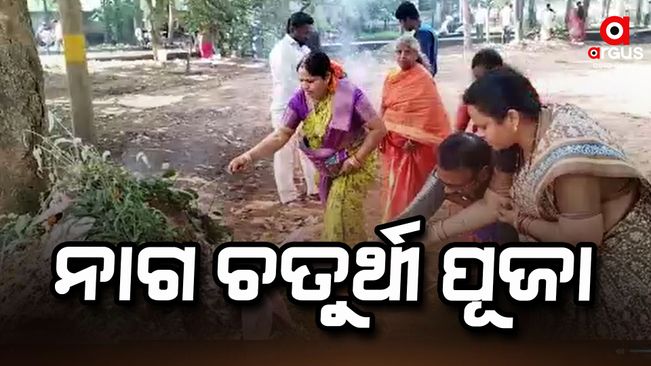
<point x="547" y="23"/>
<point x="506" y="16"/>
<point x="283" y="61"/>
<point x="480" y="21"/>
<point x="409" y="19"/>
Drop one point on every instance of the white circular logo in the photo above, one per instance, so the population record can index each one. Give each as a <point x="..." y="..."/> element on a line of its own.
<point x="614" y="31"/>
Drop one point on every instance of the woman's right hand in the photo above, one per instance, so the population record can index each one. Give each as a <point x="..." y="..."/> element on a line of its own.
<point x="409" y="146"/>
<point x="239" y="163"/>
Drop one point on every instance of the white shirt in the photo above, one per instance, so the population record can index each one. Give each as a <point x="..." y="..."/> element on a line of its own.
<point x="548" y="18"/>
<point x="505" y="15"/>
<point x="480" y="16"/>
<point x="283" y="61"/>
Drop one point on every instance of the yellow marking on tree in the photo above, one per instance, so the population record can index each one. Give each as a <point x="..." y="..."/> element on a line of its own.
<point x="74" y="48"/>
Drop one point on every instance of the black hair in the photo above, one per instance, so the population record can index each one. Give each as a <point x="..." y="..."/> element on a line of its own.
<point x="488" y="58"/>
<point x="502" y="89"/>
<point x="298" y="20"/>
<point x="407" y="10"/>
<point x="464" y="150"/>
<point x="316" y="63"/>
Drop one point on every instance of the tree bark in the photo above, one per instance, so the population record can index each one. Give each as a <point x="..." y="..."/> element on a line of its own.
<point x="46" y="11"/>
<point x="152" y="19"/>
<point x="568" y="10"/>
<point x="467" y="26"/>
<point x="81" y="100"/>
<point x="605" y="9"/>
<point x="531" y="24"/>
<point x="586" y="7"/>
<point x="170" y="21"/>
<point x="22" y="109"/>
<point x="519" y="14"/>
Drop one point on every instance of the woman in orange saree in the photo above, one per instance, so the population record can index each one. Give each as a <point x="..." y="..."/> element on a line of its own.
<point x="416" y="121"/>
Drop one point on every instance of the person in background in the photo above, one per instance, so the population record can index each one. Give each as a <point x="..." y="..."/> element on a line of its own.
<point x="506" y="17"/>
<point x="415" y="117"/>
<point x="314" y="41"/>
<point x="484" y="60"/>
<point x="576" y="24"/>
<point x="446" y="24"/>
<point x="206" y="45"/>
<point x="58" y="35"/>
<point x="573" y="184"/>
<point x="409" y="19"/>
<point x="480" y="21"/>
<point x="547" y="23"/>
<point x="465" y="167"/>
<point x="339" y="131"/>
<point x="283" y="61"/>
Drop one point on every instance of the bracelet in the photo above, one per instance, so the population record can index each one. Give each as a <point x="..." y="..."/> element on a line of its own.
<point x="438" y="232"/>
<point x="523" y="223"/>
<point x="356" y="163"/>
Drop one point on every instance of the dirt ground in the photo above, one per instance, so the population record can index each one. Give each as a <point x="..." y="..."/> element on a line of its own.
<point x="196" y="123"/>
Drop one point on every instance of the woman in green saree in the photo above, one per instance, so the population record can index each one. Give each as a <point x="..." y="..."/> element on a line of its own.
<point x="340" y="133"/>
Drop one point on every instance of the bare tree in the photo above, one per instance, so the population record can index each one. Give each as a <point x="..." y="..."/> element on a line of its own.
<point x="519" y="15"/>
<point x="153" y="16"/>
<point x="170" y="20"/>
<point x="81" y="102"/>
<point x="22" y="109"/>
<point x="467" y="25"/>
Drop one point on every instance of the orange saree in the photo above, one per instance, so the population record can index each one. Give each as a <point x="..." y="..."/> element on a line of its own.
<point x="417" y="122"/>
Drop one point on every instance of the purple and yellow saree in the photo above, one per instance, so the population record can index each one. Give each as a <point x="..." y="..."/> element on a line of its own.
<point x="332" y="129"/>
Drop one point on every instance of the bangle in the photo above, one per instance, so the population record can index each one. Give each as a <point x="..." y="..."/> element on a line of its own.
<point x="356" y="163"/>
<point x="438" y="232"/>
<point x="523" y="223"/>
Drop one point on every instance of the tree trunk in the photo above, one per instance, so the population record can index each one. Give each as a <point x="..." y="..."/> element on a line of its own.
<point x="519" y="15"/>
<point x="568" y="10"/>
<point x="531" y="24"/>
<point x="154" y="25"/>
<point x="170" y="21"/>
<point x="586" y="7"/>
<point x="46" y="11"/>
<point x="22" y="109"/>
<point x="467" y="25"/>
<point x="74" y="45"/>
<point x="605" y="9"/>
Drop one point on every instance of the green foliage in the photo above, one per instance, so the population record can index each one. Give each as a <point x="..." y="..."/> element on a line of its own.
<point x="122" y="208"/>
<point x="237" y="25"/>
<point x="117" y="17"/>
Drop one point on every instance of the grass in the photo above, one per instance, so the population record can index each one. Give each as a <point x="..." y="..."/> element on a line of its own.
<point x="379" y="36"/>
<point x="122" y="207"/>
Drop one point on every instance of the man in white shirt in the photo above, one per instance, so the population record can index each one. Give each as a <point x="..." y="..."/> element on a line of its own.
<point x="506" y="16"/>
<point x="480" y="21"/>
<point x="547" y="23"/>
<point x="284" y="60"/>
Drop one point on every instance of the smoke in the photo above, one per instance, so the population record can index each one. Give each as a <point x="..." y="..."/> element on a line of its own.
<point x="366" y="69"/>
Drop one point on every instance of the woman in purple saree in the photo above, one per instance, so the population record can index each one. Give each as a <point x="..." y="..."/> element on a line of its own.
<point x="340" y="134"/>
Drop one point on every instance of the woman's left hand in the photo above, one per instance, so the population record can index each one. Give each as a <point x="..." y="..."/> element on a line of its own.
<point x="508" y="214"/>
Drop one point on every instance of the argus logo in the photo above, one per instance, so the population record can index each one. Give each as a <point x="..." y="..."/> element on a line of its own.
<point x="615" y="31"/>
